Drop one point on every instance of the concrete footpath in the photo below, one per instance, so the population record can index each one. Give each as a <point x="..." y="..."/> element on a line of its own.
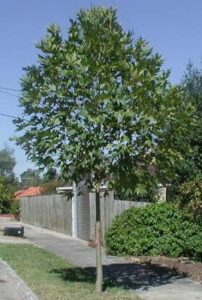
<point x="12" y="287"/>
<point x="149" y="282"/>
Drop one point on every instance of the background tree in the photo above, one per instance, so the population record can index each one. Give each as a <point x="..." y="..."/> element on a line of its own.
<point x="8" y="182"/>
<point x="192" y="85"/>
<point x="30" y="177"/>
<point x="190" y="169"/>
<point x="7" y="163"/>
<point x="98" y="103"/>
<point x="6" y="197"/>
<point x="51" y="180"/>
<point x="50" y="175"/>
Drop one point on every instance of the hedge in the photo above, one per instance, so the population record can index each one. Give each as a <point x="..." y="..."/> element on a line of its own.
<point x="157" y="229"/>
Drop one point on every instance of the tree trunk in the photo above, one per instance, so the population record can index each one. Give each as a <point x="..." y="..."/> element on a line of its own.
<point x="99" y="278"/>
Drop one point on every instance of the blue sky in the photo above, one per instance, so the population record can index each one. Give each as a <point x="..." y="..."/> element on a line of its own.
<point x="172" y="27"/>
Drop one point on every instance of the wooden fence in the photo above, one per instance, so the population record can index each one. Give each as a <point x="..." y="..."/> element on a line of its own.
<point x="110" y="208"/>
<point x="54" y="212"/>
<point x="50" y="211"/>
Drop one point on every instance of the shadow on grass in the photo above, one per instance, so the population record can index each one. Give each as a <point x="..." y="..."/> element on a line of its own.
<point x="126" y="275"/>
<point x="76" y="274"/>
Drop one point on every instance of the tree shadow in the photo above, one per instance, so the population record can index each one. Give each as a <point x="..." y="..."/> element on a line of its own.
<point x="124" y="275"/>
<point x="76" y="274"/>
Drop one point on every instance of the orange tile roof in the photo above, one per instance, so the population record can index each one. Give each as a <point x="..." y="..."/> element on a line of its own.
<point x="31" y="191"/>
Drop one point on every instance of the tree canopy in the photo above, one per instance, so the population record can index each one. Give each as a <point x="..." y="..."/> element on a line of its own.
<point x="192" y="85"/>
<point x="190" y="169"/>
<point x="7" y="162"/>
<point x="30" y="177"/>
<point x="98" y="102"/>
<point x="7" y="178"/>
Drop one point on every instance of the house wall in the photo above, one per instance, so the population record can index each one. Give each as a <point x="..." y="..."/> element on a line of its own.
<point x="53" y="212"/>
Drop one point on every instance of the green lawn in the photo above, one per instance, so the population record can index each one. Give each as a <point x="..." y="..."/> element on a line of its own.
<point x="51" y="277"/>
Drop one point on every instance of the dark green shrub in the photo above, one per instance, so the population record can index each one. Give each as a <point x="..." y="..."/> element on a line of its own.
<point x="15" y="209"/>
<point x="5" y="199"/>
<point x="148" y="195"/>
<point x="190" y="199"/>
<point x="157" y="229"/>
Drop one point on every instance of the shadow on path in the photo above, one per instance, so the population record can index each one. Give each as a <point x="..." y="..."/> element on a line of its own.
<point x="125" y="275"/>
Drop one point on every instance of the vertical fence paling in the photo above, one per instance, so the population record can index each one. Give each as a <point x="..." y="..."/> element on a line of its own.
<point x="49" y="211"/>
<point x="109" y="209"/>
<point x="55" y="212"/>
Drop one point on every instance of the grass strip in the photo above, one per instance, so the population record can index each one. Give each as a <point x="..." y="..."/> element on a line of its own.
<point x="52" y="277"/>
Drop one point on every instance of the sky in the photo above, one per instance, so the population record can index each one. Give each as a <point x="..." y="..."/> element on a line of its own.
<point x="172" y="27"/>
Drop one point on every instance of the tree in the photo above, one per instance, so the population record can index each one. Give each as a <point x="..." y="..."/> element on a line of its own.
<point x="8" y="181"/>
<point x="190" y="169"/>
<point x="30" y="177"/>
<point x="51" y="180"/>
<point x="192" y="85"/>
<point x="99" y="103"/>
<point x="6" y="197"/>
<point x="50" y="174"/>
<point x="7" y="163"/>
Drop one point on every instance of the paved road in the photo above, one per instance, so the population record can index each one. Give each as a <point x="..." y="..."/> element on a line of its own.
<point x="151" y="283"/>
